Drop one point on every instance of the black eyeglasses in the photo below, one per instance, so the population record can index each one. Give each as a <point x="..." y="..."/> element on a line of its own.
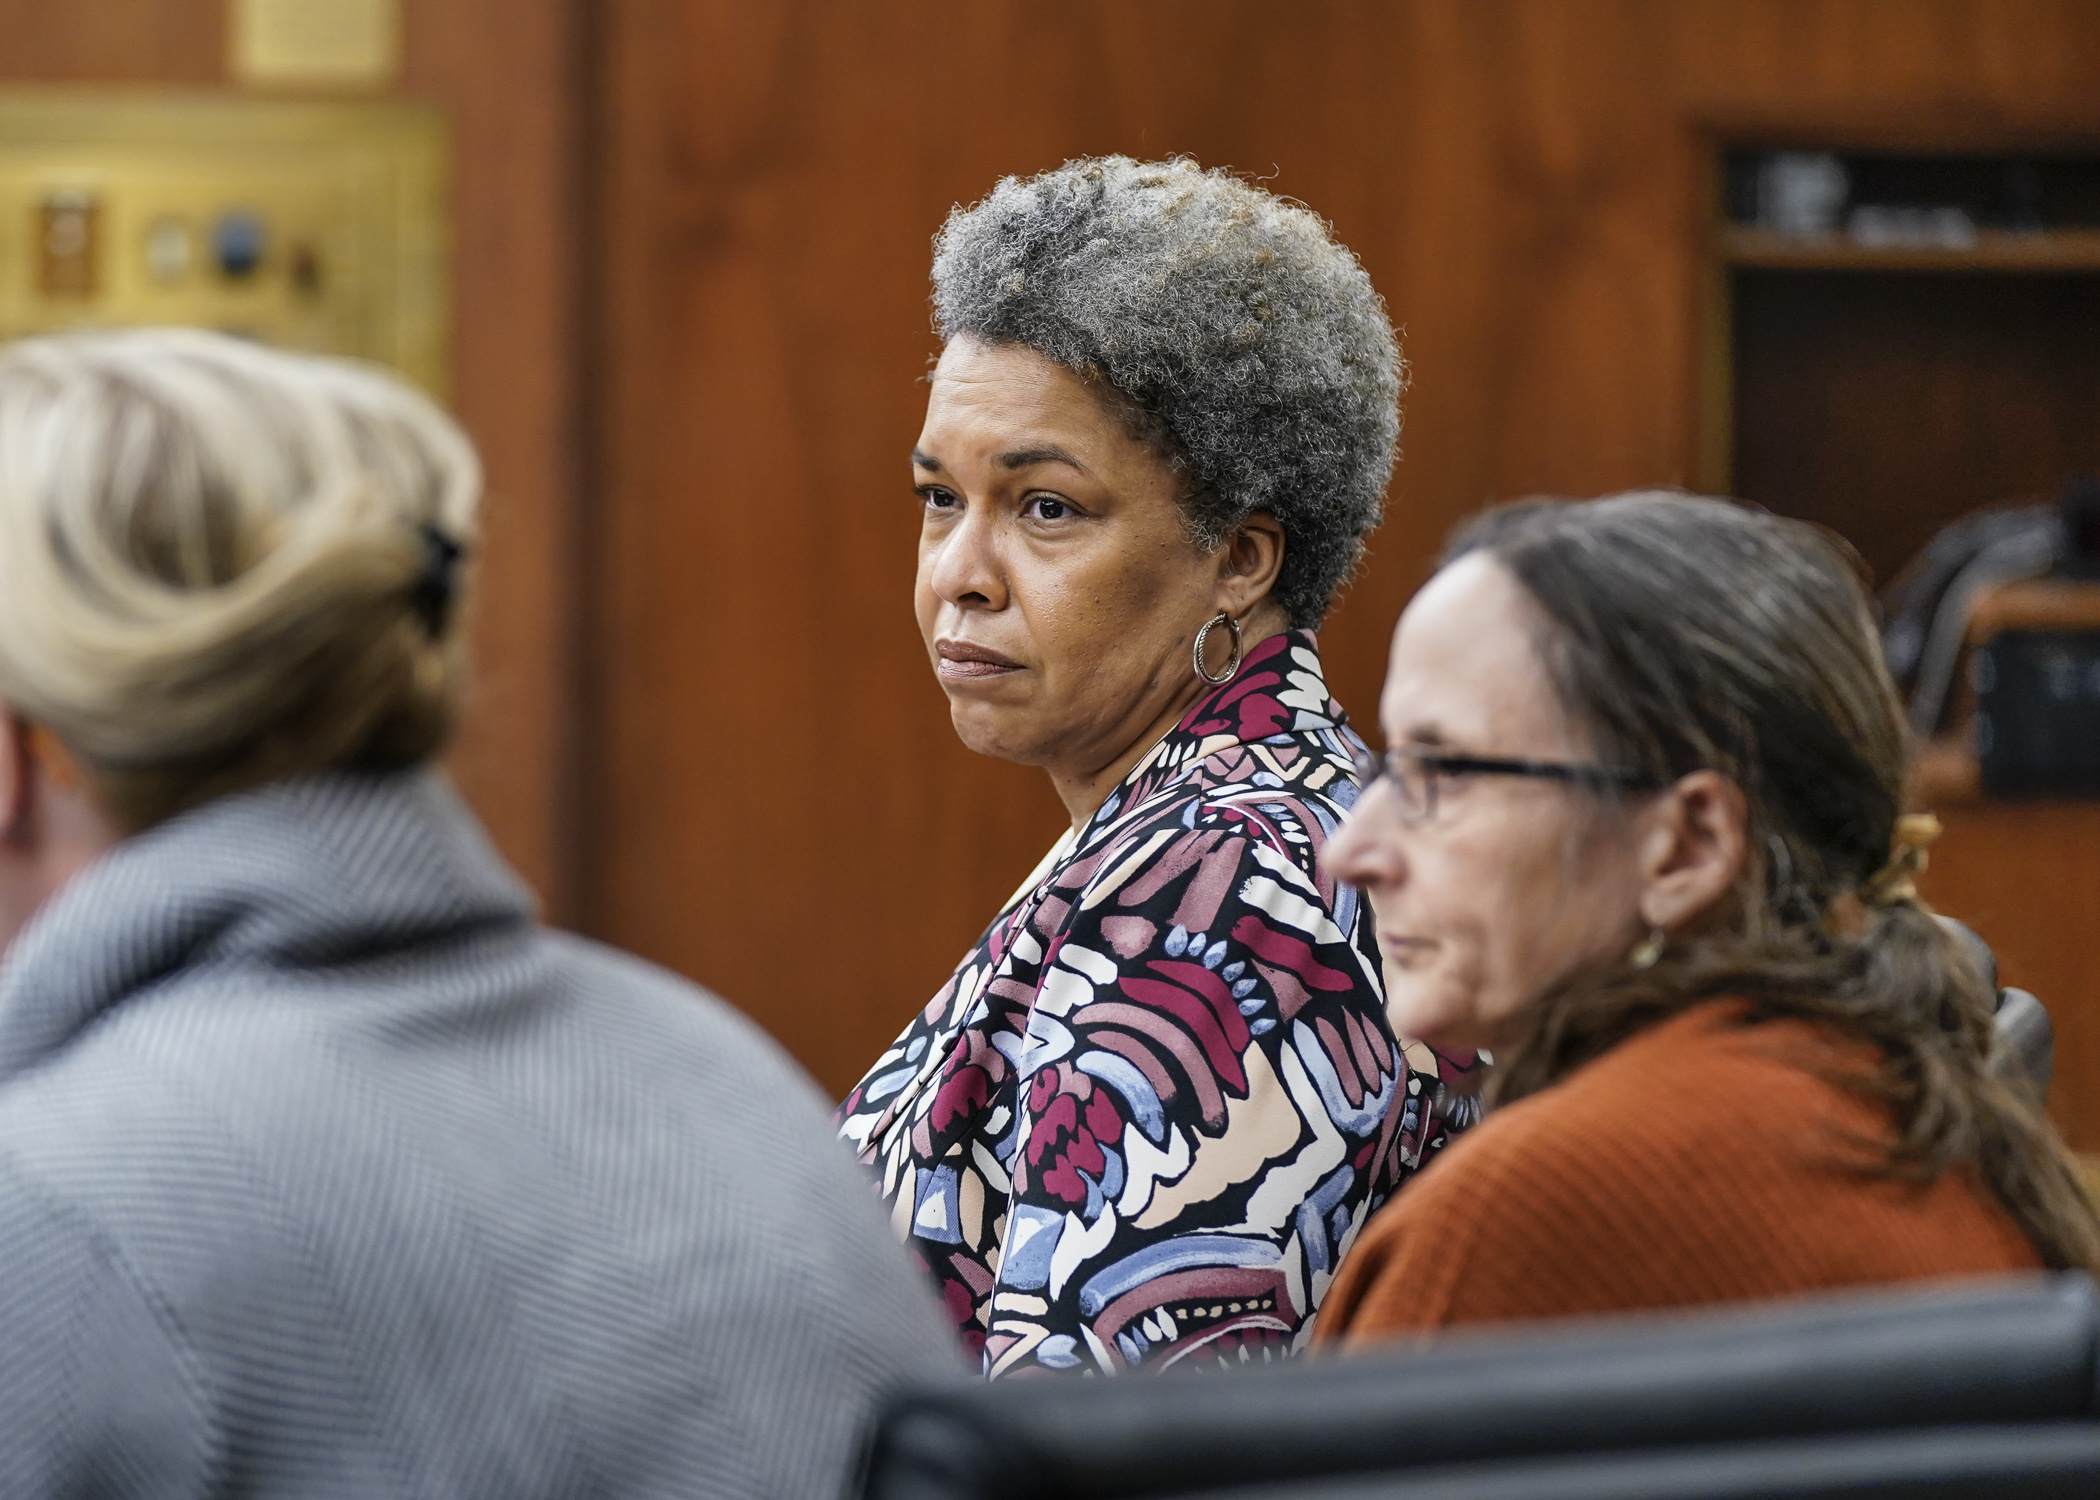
<point x="1415" y="773"/>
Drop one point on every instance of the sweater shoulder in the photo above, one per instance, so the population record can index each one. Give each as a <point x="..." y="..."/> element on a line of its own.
<point x="1685" y="1149"/>
<point x="1709" y="1159"/>
<point x="1702" y="1076"/>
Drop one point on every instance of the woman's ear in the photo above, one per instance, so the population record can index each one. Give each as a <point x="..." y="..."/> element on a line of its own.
<point x="1692" y="848"/>
<point x="1249" y="563"/>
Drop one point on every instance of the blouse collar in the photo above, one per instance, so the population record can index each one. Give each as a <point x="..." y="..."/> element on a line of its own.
<point x="1280" y="690"/>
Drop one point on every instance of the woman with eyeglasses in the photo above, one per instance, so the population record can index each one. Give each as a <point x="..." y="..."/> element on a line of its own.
<point x="1640" y="831"/>
<point x="1158" y="1098"/>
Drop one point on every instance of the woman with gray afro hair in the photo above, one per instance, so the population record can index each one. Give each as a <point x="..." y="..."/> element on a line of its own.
<point x="1153" y="1105"/>
<point x="1249" y="345"/>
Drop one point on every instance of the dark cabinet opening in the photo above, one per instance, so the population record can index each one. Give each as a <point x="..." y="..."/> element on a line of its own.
<point x="1903" y="337"/>
<point x="1887" y="404"/>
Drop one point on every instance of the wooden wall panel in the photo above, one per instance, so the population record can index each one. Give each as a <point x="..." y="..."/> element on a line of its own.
<point x="1888" y="406"/>
<point x="2027" y="876"/>
<point x="774" y="801"/>
<point x="113" y="41"/>
<point x="507" y="72"/>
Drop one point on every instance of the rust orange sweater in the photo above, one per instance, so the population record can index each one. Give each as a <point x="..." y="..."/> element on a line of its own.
<point x="1701" y="1161"/>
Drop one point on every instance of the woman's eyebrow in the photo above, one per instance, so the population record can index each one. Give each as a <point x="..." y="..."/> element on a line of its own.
<point x="926" y="461"/>
<point x="1048" y="453"/>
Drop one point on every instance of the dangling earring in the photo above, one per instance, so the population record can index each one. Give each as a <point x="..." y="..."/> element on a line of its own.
<point x="1648" y="949"/>
<point x="1238" y="648"/>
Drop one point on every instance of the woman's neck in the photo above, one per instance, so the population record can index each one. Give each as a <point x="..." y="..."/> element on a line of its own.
<point x="1084" y="789"/>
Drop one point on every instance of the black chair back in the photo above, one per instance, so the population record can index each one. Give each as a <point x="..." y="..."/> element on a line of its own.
<point x="2024" y="1042"/>
<point x="2013" y="1350"/>
<point x="1961" y="1463"/>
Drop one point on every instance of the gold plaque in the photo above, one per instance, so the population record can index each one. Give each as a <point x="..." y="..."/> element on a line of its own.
<point x="316" y="226"/>
<point x="347" y="43"/>
<point x="68" y="243"/>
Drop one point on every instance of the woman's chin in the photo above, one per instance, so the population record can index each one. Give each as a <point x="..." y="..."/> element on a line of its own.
<point x="1428" y="1012"/>
<point x="990" y="731"/>
<point x="1451" y="1039"/>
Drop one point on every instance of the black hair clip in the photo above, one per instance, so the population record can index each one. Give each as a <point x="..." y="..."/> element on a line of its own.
<point x="438" y="584"/>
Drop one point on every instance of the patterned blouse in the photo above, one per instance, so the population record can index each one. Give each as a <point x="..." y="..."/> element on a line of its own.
<point x="1147" y="1115"/>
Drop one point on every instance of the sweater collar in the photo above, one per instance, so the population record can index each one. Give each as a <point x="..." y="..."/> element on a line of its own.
<point x="322" y="870"/>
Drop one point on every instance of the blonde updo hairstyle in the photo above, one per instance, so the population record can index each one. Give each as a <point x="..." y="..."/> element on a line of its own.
<point x="223" y="565"/>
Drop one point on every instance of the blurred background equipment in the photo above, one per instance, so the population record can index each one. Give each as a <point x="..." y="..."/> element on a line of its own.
<point x="2023" y="1046"/>
<point x="1994" y="632"/>
<point x="1799" y="192"/>
<point x="2036" y="676"/>
<point x="317" y="226"/>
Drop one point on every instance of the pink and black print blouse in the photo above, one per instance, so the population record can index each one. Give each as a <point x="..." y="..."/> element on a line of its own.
<point x="1147" y="1115"/>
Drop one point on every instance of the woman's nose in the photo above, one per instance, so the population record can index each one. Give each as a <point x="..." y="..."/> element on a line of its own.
<point x="1365" y="851"/>
<point x="966" y="569"/>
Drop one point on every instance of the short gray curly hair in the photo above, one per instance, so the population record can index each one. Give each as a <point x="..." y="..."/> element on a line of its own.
<point x="1227" y="318"/>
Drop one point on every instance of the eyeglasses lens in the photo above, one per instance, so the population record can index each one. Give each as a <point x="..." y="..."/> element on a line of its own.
<point x="1414" y="787"/>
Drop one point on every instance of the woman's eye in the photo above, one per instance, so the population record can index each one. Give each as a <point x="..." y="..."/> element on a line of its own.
<point x="1048" y="508"/>
<point x="937" y="498"/>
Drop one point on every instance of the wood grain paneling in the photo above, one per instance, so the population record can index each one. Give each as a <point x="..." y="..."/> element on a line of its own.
<point x="509" y="74"/>
<point x="2027" y="876"/>
<point x="507" y="71"/>
<point x="775" y="802"/>
<point x="1888" y="405"/>
<point x="113" y="41"/>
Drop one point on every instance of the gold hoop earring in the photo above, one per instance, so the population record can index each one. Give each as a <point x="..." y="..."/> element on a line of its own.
<point x="1239" y="648"/>
<point x="1648" y="949"/>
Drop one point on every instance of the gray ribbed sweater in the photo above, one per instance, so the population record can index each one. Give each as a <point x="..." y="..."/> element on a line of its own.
<point x="324" y="1172"/>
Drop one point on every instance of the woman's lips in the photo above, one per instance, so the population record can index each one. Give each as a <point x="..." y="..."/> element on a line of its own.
<point x="960" y="661"/>
<point x="1405" y="952"/>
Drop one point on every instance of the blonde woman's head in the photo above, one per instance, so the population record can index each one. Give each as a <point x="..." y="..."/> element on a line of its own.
<point x="222" y="565"/>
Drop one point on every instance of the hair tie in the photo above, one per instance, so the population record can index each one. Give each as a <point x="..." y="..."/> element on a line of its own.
<point x="1897" y="880"/>
<point x="437" y="585"/>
